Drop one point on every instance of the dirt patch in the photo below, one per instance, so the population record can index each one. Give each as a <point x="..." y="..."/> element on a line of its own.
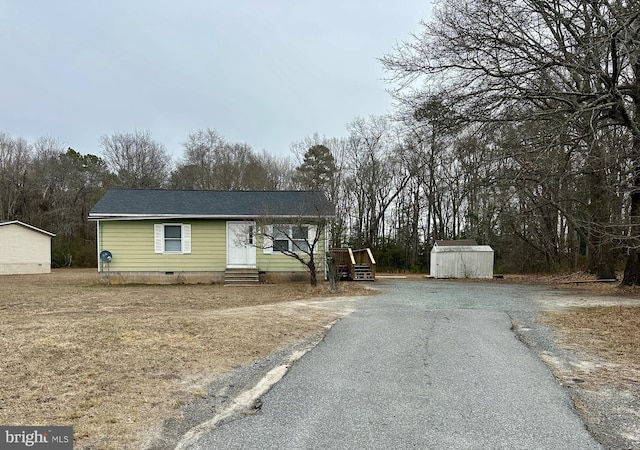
<point x="116" y="361"/>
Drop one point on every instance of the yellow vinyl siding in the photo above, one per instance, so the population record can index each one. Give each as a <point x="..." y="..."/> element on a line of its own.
<point x="277" y="262"/>
<point x="131" y="243"/>
<point x="132" y="246"/>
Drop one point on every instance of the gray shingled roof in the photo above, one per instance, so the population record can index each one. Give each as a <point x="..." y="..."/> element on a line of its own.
<point x="127" y="203"/>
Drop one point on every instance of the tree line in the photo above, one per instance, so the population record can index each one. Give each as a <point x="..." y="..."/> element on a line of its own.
<point x="539" y="101"/>
<point x="53" y="187"/>
<point x="516" y="125"/>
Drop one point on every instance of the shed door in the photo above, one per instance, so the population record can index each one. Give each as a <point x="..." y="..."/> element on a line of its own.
<point x="241" y="247"/>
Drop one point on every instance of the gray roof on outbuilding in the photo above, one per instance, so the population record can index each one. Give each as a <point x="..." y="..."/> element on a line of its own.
<point x="456" y="243"/>
<point x="459" y="246"/>
<point x="163" y="203"/>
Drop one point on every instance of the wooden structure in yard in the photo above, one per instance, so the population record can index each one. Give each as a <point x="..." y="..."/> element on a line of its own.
<point x="355" y="265"/>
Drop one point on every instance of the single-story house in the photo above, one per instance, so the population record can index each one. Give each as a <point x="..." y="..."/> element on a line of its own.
<point x="24" y="249"/>
<point x="461" y="259"/>
<point x="160" y="235"/>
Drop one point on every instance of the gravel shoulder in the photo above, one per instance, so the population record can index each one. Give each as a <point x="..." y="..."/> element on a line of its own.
<point x="227" y="398"/>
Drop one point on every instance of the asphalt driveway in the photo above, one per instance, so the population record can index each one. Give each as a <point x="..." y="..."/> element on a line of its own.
<point x="425" y="365"/>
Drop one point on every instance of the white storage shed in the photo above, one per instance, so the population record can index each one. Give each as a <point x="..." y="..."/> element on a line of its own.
<point x="461" y="259"/>
<point x="24" y="249"/>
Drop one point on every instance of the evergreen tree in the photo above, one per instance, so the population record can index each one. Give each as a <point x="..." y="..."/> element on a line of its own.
<point x="317" y="171"/>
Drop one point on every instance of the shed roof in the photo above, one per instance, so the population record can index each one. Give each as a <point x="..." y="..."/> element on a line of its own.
<point x="461" y="249"/>
<point x="164" y="203"/>
<point x="456" y="243"/>
<point x="26" y="225"/>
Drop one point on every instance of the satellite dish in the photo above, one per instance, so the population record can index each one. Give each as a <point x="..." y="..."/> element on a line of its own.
<point x="106" y="256"/>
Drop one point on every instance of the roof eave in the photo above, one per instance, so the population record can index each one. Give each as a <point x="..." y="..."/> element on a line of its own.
<point x="26" y="225"/>
<point x="96" y="217"/>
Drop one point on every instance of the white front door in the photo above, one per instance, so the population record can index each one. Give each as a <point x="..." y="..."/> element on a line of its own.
<point x="241" y="246"/>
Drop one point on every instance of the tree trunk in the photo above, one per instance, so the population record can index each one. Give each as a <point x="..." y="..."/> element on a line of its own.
<point x="313" y="279"/>
<point x="604" y="266"/>
<point x="632" y="268"/>
<point x="332" y="272"/>
<point x="601" y="260"/>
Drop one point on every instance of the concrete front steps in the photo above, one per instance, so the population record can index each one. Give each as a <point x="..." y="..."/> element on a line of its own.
<point x="241" y="277"/>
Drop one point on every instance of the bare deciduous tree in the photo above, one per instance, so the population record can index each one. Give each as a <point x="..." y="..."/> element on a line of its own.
<point x="572" y="66"/>
<point x="376" y="175"/>
<point x="136" y="159"/>
<point x="298" y="238"/>
<point x="210" y="162"/>
<point x="15" y="157"/>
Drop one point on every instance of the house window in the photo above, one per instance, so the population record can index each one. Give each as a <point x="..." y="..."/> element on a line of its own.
<point x="172" y="238"/>
<point x="300" y="236"/>
<point x="291" y="238"/>
<point x="280" y="239"/>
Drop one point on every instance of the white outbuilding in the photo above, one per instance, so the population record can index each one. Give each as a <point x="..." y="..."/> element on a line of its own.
<point x="24" y="249"/>
<point x="461" y="259"/>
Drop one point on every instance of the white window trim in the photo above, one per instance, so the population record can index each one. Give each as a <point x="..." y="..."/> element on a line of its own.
<point x="268" y="241"/>
<point x="158" y="238"/>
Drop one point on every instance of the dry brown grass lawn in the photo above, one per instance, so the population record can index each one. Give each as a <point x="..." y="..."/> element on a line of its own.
<point x="609" y="337"/>
<point x="114" y="361"/>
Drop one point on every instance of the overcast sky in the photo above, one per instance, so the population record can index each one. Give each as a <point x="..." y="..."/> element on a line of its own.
<point x="264" y="72"/>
